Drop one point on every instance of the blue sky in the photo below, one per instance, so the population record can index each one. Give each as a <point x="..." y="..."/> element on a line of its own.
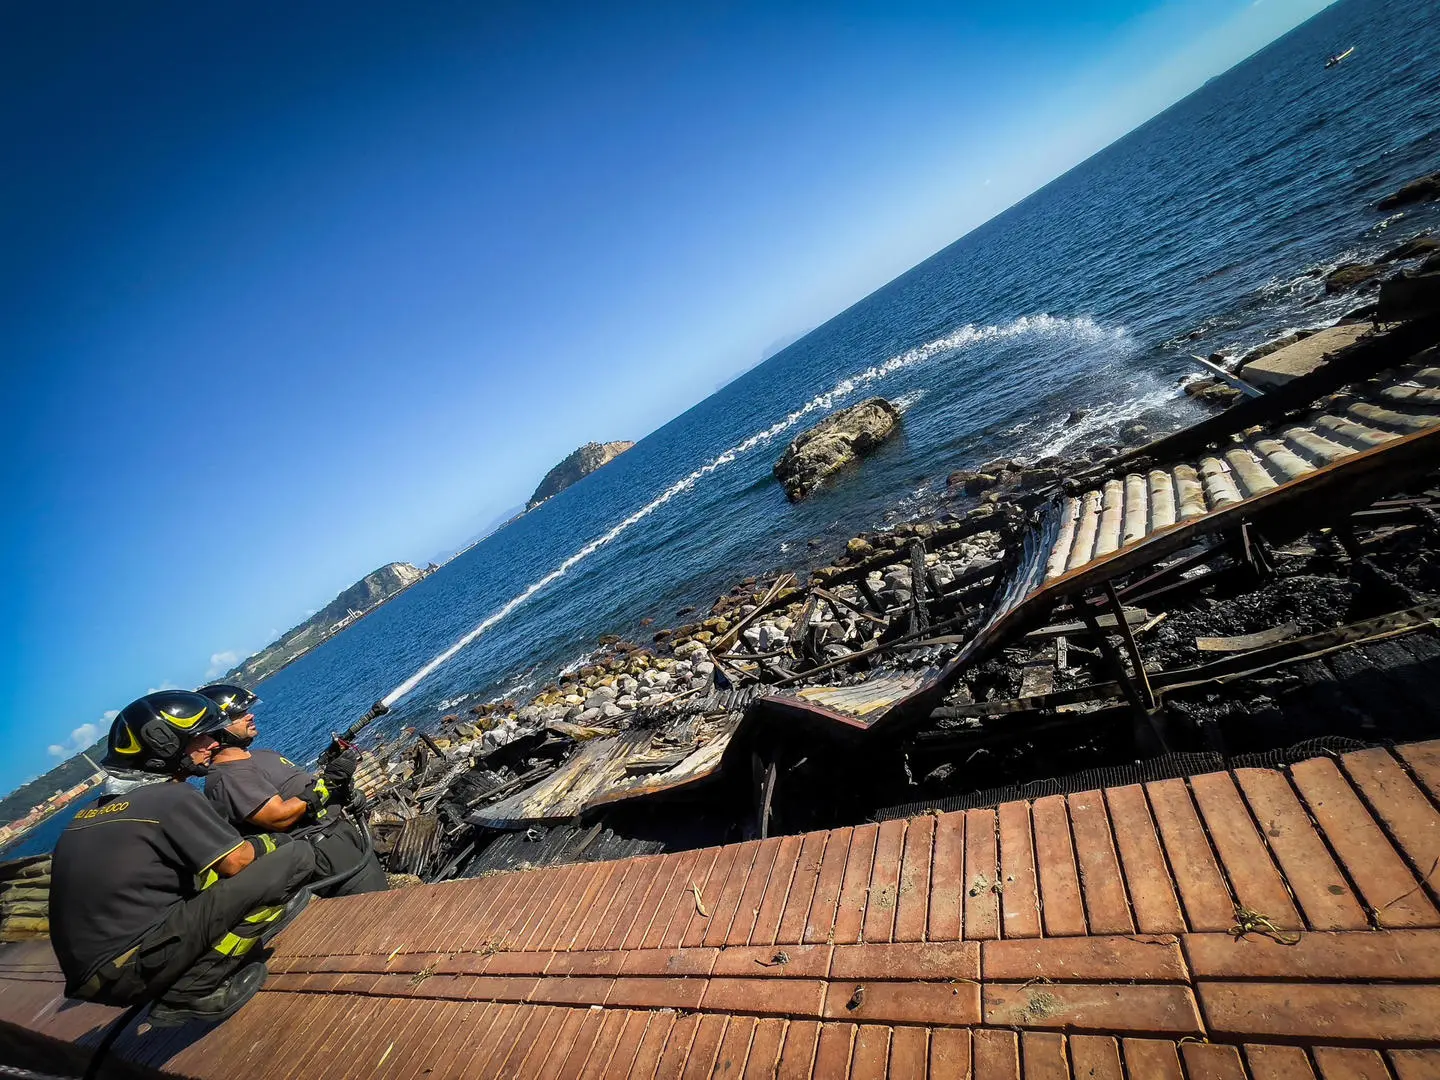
<point x="290" y="291"/>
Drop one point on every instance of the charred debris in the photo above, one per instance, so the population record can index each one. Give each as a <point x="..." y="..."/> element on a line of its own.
<point x="1259" y="587"/>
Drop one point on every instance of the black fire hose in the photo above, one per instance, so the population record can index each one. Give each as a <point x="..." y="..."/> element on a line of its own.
<point x="92" y="1071"/>
<point x="367" y="848"/>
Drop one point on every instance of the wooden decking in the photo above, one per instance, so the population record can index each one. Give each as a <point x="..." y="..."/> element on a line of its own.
<point x="1263" y="923"/>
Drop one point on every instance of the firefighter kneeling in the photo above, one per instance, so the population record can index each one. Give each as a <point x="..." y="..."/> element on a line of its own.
<point x="260" y="791"/>
<point x="154" y="896"/>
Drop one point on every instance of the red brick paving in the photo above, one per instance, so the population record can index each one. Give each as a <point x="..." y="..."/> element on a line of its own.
<point x="1083" y="936"/>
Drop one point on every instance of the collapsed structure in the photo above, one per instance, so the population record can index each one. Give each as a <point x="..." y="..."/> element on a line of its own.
<point x="1239" y="587"/>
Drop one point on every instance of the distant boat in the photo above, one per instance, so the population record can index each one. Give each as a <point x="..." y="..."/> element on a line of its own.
<point x="1336" y="59"/>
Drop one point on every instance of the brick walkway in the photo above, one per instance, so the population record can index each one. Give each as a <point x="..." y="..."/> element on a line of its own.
<point x="1073" y="936"/>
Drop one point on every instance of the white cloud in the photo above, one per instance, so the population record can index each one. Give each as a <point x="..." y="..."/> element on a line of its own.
<point x="221" y="662"/>
<point x="83" y="736"/>
<point x="165" y="684"/>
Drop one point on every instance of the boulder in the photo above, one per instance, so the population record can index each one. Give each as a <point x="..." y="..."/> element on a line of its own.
<point x="1421" y="190"/>
<point x="1416" y="247"/>
<point x="1032" y="478"/>
<point x="839" y="440"/>
<point x="1134" y="434"/>
<point x="859" y="548"/>
<point x="1351" y="276"/>
<point x="600" y="697"/>
<point x="1211" y="391"/>
<point x="1076" y="416"/>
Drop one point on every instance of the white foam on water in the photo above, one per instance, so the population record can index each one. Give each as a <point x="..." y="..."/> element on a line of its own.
<point x="1081" y="329"/>
<point x="1059" y="437"/>
<point x="905" y="402"/>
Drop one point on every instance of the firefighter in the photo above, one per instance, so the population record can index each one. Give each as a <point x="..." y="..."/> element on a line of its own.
<point x="259" y="790"/>
<point x="155" y="897"/>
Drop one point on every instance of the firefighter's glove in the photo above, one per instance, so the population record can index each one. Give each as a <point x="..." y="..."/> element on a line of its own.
<point x="264" y="843"/>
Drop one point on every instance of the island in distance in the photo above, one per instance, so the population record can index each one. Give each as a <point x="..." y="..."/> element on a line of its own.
<point x="576" y="467"/>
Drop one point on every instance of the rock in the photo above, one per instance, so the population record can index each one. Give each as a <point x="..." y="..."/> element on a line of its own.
<point x="1415" y="248"/>
<point x="1134" y="434"/>
<point x="1363" y="314"/>
<point x="980" y="482"/>
<point x="837" y="441"/>
<point x="960" y="477"/>
<point x="612" y="710"/>
<point x="577" y="466"/>
<point x="600" y="697"/>
<point x="689" y="649"/>
<point x="1032" y="478"/>
<point x="1430" y="265"/>
<point x="859" y="548"/>
<point x="1351" y="276"/>
<point x="1001" y="465"/>
<point x="656" y="678"/>
<point x="1421" y="190"/>
<point x="1212" y="391"/>
<point x="1196" y="387"/>
<point x="705" y="667"/>
<point x="1076" y="416"/>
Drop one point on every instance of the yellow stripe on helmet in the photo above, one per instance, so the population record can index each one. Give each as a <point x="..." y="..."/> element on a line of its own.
<point x="187" y="721"/>
<point x="132" y="744"/>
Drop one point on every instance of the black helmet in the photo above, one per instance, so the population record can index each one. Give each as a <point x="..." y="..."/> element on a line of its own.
<point x="151" y="732"/>
<point x="233" y="702"/>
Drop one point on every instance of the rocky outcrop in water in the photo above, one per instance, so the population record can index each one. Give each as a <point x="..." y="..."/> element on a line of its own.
<point x="1352" y="276"/>
<point x="839" y="440"/>
<point x="576" y="467"/>
<point x="1417" y="247"/>
<point x="1421" y="190"/>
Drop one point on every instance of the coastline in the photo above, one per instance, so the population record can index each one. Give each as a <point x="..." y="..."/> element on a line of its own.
<point x="602" y="690"/>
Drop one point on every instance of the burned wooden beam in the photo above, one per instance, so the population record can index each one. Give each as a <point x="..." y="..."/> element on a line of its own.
<point x="1133" y="616"/>
<point x="834" y="599"/>
<point x="1247" y="642"/>
<point x="919" y="614"/>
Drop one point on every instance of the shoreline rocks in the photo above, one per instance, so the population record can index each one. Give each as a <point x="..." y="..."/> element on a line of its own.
<point x="841" y="439"/>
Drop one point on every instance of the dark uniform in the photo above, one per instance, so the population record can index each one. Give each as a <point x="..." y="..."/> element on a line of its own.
<point x="238" y="789"/>
<point x="134" y="901"/>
